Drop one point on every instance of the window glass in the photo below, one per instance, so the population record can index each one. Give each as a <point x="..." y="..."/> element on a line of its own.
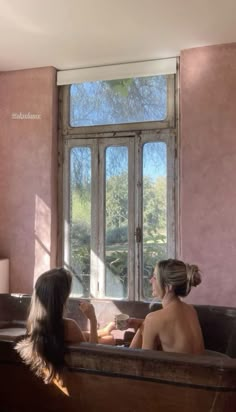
<point x="116" y="235"/>
<point x="154" y="209"/>
<point x="80" y="218"/>
<point x="118" y="206"/>
<point x="140" y="99"/>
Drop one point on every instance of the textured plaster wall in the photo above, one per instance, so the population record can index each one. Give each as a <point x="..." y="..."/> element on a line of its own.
<point x="208" y="169"/>
<point x="28" y="172"/>
<point x="28" y="175"/>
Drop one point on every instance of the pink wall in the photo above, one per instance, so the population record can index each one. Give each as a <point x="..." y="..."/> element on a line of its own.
<point x="28" y="172"/>
<point x="208" y="169"/>
<point x="28" y="180"/>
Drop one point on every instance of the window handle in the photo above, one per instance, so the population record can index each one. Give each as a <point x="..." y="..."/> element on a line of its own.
<point x="138" y="234"/>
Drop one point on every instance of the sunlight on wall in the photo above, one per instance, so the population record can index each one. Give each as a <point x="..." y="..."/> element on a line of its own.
<point x="42" y="229"/>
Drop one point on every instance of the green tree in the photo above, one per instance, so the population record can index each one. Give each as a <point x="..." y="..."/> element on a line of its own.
<point x="118" y="101"/>
<point x="117" y="201"/>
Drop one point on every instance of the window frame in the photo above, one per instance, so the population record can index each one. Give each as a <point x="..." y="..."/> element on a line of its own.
<point x="168" y="137"/>
<point x="169" y="122"/>
<point x="68" y="135"/>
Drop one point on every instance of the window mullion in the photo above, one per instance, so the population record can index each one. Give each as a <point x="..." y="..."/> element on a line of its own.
<point x="94" y="280"/>
<point x="66" y="205"/>
<point x="131" y="222"/>
<point x="138" y="216"/>
<point x="101" y="221"/>
<point x="171" y="154"/>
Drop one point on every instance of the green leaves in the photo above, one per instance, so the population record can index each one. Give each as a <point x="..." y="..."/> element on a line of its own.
<point x="122" y="86"/>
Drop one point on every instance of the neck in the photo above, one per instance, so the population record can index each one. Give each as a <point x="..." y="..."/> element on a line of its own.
<point x="168" y="298"/>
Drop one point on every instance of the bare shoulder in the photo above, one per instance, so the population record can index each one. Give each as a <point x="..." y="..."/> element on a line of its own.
<point x="73" y="332"/>
<point x="154" y="317"/>
<point x="153" y="325"/>
<point x="68" y="322"/>
<point x="190" y="308"/>
<point x="69" y="325"/>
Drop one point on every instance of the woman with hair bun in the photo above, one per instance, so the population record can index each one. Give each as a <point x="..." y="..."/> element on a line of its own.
<point x="175" y="327"/>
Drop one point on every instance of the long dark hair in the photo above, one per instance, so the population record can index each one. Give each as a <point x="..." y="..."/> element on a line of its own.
<point x="43" y="349"/>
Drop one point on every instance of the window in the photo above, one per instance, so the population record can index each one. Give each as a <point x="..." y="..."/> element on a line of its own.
<point x="118" y="184"/>
<point x="141" y="99"/>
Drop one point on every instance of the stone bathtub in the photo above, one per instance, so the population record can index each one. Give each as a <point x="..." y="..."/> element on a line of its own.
<point x="103" y="378"/>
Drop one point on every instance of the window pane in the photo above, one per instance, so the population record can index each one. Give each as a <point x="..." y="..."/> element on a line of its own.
<point x="80" y="218"/>
<point x="140" y="99"/>
<point x="154" y="209"/>
<point x="116" y="234"/>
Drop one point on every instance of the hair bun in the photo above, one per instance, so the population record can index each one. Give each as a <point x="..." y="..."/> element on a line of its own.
<point x="193" y="275"/>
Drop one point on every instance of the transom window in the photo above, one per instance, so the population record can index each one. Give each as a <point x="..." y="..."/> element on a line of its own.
<point x="118" y="187"/>
<point x="141" y="99"/>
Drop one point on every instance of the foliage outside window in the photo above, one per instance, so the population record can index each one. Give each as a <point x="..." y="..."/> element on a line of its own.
<point x="118" y="185"/>
<point x="141" y="99"/>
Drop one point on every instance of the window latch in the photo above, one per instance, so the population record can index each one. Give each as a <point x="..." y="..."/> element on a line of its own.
<point x="138" y="234"/>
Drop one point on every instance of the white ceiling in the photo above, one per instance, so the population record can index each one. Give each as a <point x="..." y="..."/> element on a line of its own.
<point x="70" y="34"/>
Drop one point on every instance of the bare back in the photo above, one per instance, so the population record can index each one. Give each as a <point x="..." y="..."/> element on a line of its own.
<point x="175" y="327"/>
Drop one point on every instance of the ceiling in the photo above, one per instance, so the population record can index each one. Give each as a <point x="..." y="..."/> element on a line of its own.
<point x="70" y="34"/>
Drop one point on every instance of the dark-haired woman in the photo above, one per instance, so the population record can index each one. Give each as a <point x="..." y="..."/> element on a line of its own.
<point x="48" y="332"/>
<point x="175" y="327"/>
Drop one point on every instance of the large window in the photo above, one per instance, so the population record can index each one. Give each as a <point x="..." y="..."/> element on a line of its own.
<point x="118" y="187"/>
